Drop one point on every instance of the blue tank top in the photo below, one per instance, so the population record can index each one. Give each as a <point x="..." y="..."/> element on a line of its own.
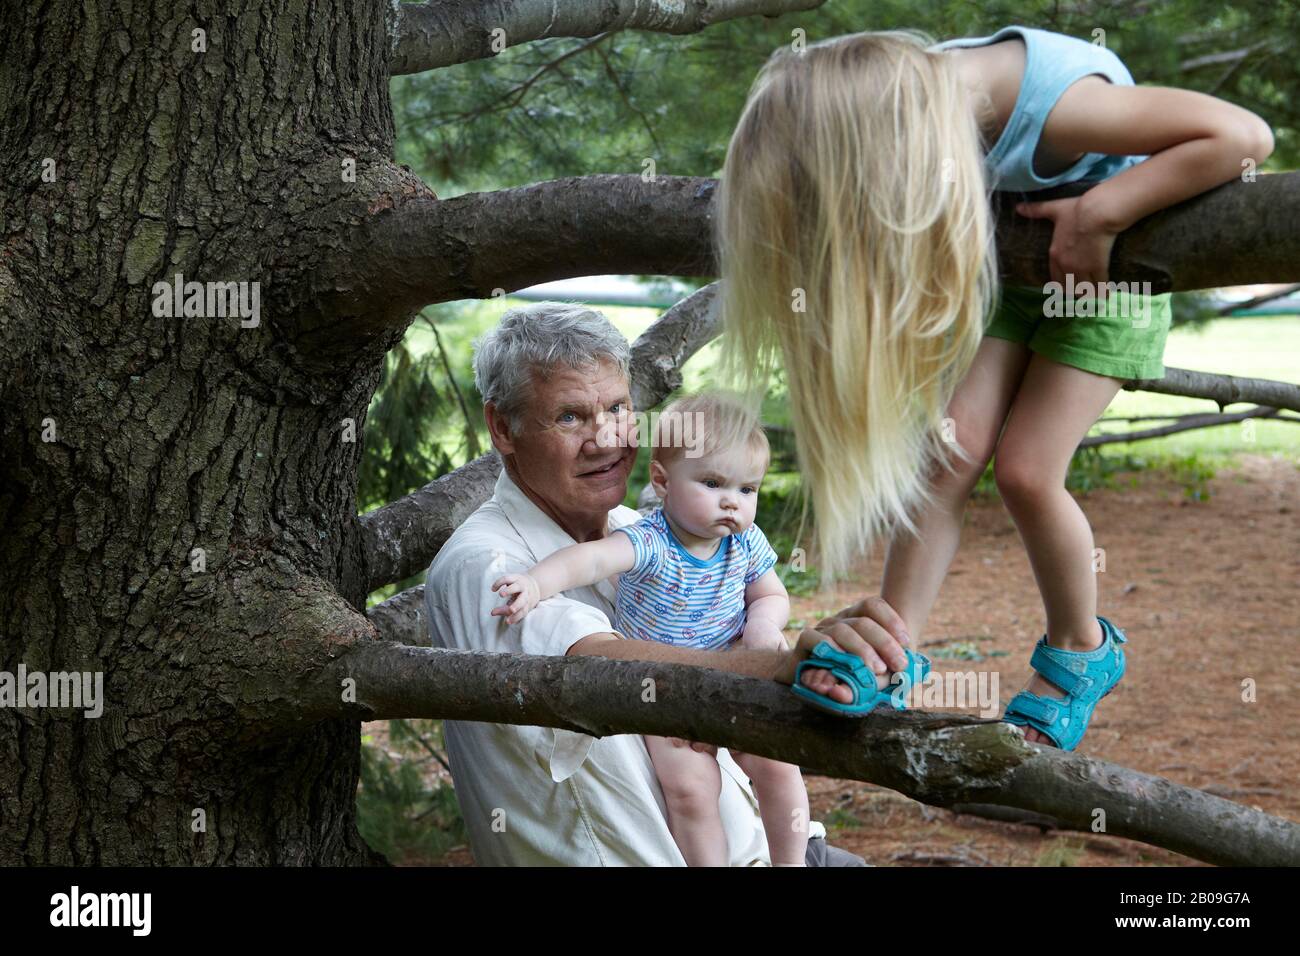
<point x="1053" y="61"/>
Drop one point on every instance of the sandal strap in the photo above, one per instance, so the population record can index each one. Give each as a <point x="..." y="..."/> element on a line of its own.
<point x="848" y="668"/>
<point x="902" y="682"/>
<point x="1034" y="708"/>
<point x="851" y="669"/>
<point x="1063" y="668"/>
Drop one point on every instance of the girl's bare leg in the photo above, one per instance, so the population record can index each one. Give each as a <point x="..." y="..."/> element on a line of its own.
<point x="1054" y="409"/>
<point x="916" y="566"/>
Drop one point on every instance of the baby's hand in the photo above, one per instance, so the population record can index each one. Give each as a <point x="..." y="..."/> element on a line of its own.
<point x="523" y="588"/>
<point x="761" y="634"/>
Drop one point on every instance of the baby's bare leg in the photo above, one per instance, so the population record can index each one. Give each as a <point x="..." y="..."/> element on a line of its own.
<point x="691" y="782"/>
<point x="783" y="805"/>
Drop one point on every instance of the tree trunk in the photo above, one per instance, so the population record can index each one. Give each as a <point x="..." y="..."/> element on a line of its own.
<point x="171" y="434"/>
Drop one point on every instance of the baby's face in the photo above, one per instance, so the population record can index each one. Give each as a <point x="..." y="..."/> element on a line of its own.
<point x="714" y="495"/>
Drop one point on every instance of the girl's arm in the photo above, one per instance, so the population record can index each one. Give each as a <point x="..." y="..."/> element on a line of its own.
<point x="573" y="567"/>
<point x="1194" y="142"/>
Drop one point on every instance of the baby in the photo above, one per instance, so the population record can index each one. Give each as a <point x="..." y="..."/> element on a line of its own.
<point x="696" y="572"/>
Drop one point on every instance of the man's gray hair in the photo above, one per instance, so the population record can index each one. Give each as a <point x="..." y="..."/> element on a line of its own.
<point x="537" y="338"/>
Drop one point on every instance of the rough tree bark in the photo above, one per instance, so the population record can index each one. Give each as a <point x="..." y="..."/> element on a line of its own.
<point x="178" y="494"/>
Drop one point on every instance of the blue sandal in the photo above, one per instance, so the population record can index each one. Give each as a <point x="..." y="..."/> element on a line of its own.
<point x="850" y="669"/>
<point x="1085" y="677"/>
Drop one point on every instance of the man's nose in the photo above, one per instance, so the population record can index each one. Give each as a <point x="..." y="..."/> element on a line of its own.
<point x="603" y="434"/>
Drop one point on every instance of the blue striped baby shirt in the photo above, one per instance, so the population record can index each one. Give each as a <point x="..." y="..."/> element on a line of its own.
<point x="671" y="596"/>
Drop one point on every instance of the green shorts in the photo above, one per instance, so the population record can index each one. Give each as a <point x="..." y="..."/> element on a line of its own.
<point x="1125" y="340"/>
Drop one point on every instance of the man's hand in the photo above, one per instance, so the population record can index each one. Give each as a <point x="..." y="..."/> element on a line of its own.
<point x="1079" y="245"/>
<point x="525" y="592"/>
<point x="871" y="629"/>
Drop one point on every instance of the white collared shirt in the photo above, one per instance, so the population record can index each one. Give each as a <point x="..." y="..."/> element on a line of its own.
<point x="534" y="795"/>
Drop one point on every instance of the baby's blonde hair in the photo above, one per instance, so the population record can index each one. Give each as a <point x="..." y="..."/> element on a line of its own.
<point x="855" y="239"/>
<point x="720" y="421"/>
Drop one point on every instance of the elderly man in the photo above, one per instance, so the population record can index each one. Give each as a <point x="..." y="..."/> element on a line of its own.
<point x="552" y="377"/>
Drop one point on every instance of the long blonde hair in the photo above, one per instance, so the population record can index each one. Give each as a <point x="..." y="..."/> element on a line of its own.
<point x="855" y="239"/>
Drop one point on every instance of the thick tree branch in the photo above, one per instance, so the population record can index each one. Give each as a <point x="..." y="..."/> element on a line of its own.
<point x="401" y="618"/>
<point x="414" y="250"/>
<point x="661" y="351"/>
<point x="426" y="36"/>
<point x="938" y="759"/>
<point x="402" y="537"/>
<point x="1239" y="233"/>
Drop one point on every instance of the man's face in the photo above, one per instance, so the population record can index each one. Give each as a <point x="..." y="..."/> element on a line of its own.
<point x="562" y="449"/>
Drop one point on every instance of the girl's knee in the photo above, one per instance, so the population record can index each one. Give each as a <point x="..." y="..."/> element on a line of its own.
<point x="958" y="475"/>
<point x="1021" y="479"/>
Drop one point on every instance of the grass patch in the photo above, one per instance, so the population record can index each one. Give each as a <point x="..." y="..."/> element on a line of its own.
<point x="1060" y="853"/>
<point x="841" y="819"/>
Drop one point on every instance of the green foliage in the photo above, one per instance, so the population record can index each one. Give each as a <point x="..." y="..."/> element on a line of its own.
<point x="840" y="819"/>
<point x="1194" y="475"/>
<point x="397" y="813"/>
<point x="1193" y="310"/>
<point x="615" y="103"/>
<point x="397" y="455"/>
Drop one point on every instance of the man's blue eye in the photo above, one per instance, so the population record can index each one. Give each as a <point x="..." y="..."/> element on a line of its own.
<point x="567" y="416"/>
<point x="616" y="407"/>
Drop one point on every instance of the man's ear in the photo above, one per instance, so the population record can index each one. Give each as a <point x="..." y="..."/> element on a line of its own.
<point x="499" y="428"/>
<point x="658" y="478"/>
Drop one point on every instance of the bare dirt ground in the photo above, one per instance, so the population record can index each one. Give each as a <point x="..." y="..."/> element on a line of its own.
<point x="1208" y="593"/>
